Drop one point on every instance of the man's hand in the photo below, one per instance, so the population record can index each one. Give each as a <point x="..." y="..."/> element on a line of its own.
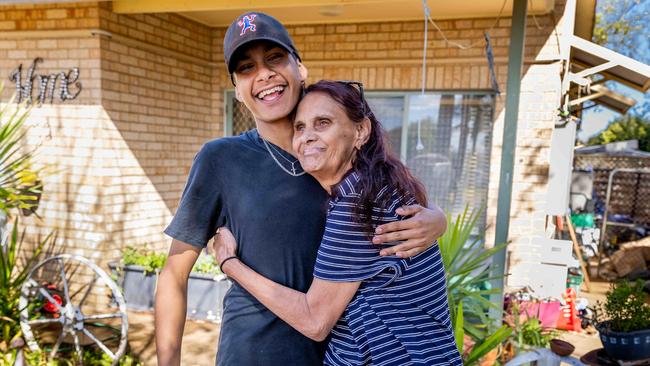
<point x="418" y="232"/>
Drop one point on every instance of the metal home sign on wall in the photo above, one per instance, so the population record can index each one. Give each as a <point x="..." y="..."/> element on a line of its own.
<point x="46" y="84"/>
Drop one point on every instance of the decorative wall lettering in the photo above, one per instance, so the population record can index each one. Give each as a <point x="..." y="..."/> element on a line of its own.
<point x="45" y="83"/>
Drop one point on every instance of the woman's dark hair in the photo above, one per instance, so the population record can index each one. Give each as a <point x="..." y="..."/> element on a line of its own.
<point x="375" y="164"/>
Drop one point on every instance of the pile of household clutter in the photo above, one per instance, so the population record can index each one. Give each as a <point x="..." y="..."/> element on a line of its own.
<point x="630" y="261"/>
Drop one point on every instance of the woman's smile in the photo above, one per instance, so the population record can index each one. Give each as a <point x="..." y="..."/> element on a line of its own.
<point x="324" y="138"/>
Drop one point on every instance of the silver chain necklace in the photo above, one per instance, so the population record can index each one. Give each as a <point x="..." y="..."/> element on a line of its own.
<point x="293" y="167"/>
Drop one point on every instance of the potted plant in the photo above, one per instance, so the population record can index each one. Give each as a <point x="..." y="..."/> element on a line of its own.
<point x="623" y="322"/>
<point x="528" y="332"/>
<point x="206" y="289"/>
<point x="137" y="274"/>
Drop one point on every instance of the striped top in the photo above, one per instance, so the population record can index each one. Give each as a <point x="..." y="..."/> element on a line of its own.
<point x="399" y="315"/>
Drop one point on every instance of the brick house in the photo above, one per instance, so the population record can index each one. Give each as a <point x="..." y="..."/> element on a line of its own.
<point x="154" y="88"/>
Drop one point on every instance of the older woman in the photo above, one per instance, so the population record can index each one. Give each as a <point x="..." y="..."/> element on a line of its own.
<point x="379" y="310"/>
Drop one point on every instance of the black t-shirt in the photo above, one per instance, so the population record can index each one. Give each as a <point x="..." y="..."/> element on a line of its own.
<point x="278" y="221"/>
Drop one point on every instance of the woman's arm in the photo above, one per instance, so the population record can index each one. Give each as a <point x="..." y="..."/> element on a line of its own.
<point x="312" y="314"/>
<point x="418" y="232"/>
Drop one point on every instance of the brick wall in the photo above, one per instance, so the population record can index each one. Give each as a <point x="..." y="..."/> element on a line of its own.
<point x="121" y="151"/>
<point x="388" y="56"/>
<point x="153" y="93"/>
<point x="157" y="86"/>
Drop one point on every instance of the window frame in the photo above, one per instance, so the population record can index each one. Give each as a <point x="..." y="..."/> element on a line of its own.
<point x="229" y="94"/>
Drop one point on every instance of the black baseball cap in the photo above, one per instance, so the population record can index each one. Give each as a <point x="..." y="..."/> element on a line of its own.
<point x="255" y="26"/>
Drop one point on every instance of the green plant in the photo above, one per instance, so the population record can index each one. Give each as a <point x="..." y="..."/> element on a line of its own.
<point x="91" y="356"/>
<point x="625" y="128"/>
<point x="20" y="186"/>
<point x="527" y="334"/>
<point x="151" y="261"/>
<point x="624" y="309"/>
<point x="41" y="359"/>
<point x="95" y="357"/>
<point x="12" y="276"/>
<point x="20" y="189"/>
<point x="154" y="261"/>
<point x="206" y="264"/>
<point x="467" y="265"/>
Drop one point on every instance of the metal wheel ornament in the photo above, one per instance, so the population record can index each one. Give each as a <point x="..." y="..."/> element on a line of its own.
<point x="69" y="303"/>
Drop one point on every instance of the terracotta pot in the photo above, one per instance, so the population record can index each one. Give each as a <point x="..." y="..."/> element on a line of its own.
<point x="562" y="348"/>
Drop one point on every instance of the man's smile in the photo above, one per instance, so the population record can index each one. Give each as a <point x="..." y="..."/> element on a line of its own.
<point x="271" y="94"/>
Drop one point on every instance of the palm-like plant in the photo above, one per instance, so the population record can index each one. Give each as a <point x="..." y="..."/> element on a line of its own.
<point x="19" y="183"/>
<point x="19" y="190"/>
<point x="467" y="264"/>
<point x="13" y="274"/>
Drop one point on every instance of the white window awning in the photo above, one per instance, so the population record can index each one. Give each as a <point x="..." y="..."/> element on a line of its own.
<point x="590" y="58"/>
<point x="605" y="97"/>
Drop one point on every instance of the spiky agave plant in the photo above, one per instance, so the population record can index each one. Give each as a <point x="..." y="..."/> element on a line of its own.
<point x="20" y="186"/>
<point x="19" y="190"/>
<point x="466" y="263"/>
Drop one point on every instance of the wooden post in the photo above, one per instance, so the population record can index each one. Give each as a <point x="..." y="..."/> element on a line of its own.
<point x="576" y="248"/>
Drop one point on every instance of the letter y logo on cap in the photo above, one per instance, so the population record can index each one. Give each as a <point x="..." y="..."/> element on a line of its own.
<point x="247" y="23"/>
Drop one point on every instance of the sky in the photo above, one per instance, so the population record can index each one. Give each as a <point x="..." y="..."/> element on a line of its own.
<point x="635" y="45"/>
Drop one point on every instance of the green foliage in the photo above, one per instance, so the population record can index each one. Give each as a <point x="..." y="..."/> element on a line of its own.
<point x="41" y="359"/>
<point x="12" y="276"/>
<point x="154" y="262"/>
<point x="621" y="26"/>
<point x="151" y="261"/>
<point x="20" y="186"/>
<point x="91" y="356"/>
<point x="466" y="262"/>
<point x="534" y="335"/>
<point x="625" y="128"/>
<point x="95" y="357"/>
<point x="206" y="264"/>
<point x="493" y="341"/>
<point x="617" y="23"/>
<point x="624" y="308"/>
<point x="530" y="333"/>
<point x="483" y="346"/>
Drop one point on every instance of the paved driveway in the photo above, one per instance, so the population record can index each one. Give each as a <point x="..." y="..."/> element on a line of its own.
<point x="199" y="341"/>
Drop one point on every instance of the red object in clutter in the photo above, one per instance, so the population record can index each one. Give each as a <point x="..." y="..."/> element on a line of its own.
<point x="568" y="319"/>
<point x="49" y="306"/>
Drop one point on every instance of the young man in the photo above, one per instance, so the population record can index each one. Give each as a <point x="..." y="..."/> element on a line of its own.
<point x="255" y="186"/>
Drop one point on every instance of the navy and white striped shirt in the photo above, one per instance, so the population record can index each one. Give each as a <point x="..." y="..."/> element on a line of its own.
<point x="399" y="315"/>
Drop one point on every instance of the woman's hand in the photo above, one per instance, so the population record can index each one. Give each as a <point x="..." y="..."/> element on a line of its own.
<point x="224" y="245"/>
<point x="418" y="232"/>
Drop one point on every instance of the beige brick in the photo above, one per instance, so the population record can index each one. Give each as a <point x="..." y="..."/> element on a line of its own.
<point x="17" y="54"/>
<point x="304" y="30"/>
<point x="7" y="44"/>
<point x="463" y="24"/>
<point x="7" y="25"/>
<point x="352" y="28"/>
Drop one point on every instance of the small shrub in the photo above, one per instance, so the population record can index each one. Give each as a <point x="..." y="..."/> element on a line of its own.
<point x="624" y="308"/>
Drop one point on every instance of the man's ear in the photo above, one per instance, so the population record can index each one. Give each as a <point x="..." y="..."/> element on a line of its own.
<point x="363" y="133"/>
<point x="237" y="95"/>
<point x="302" y="69"/>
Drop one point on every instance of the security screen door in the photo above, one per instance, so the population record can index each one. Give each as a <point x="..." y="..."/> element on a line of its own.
<point x="451" y="152"/>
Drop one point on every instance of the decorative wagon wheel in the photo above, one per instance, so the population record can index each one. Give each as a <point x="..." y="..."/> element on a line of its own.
<point x="71" y="296"/>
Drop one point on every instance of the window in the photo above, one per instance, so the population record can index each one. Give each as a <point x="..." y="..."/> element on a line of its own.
<point x="451" y="153"/>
